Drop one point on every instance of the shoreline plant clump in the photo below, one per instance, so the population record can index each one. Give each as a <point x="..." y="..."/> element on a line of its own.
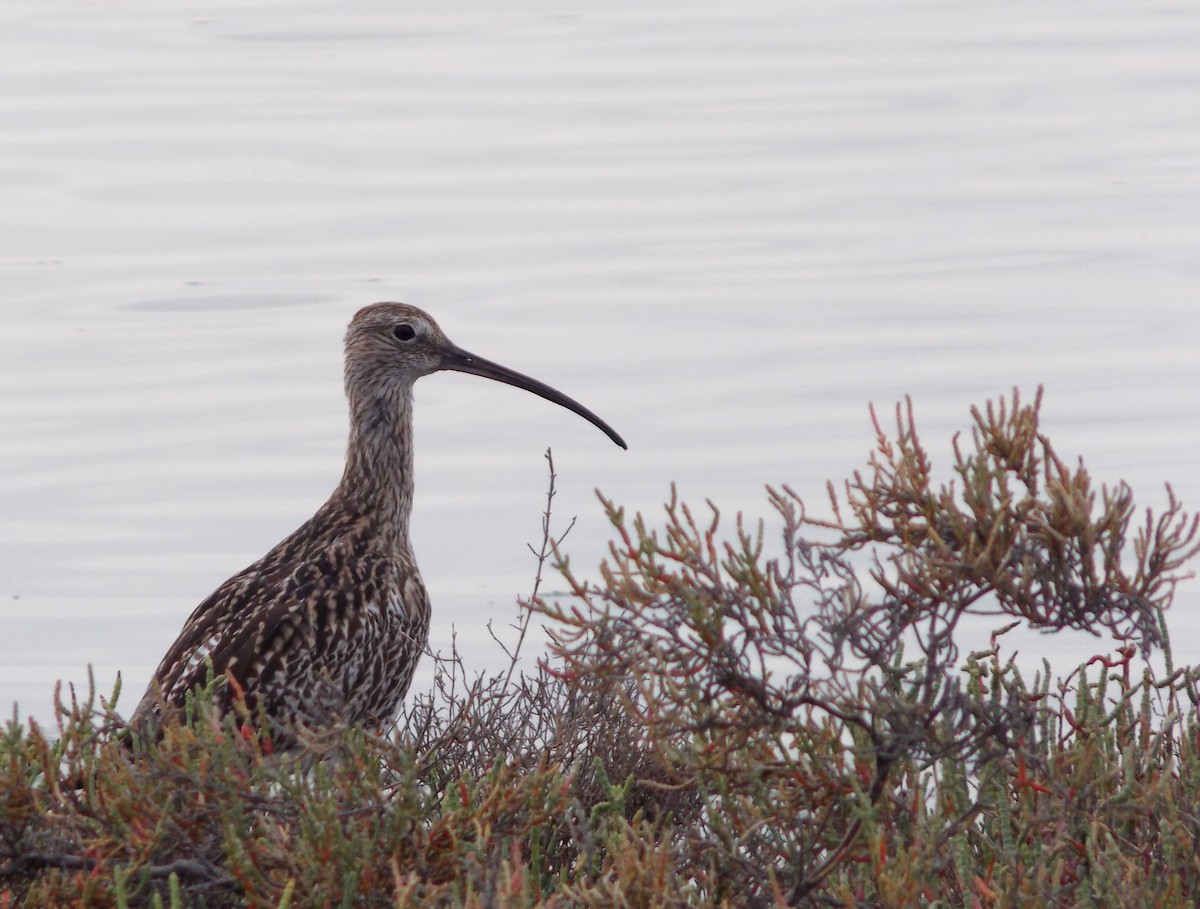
<point x="728" y="717"/>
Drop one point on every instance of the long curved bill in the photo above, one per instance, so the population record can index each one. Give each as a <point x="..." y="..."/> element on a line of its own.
<point x="460" y="360"/>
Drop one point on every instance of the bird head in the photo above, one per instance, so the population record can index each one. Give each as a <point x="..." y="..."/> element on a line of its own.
<point x="391" y="345"/>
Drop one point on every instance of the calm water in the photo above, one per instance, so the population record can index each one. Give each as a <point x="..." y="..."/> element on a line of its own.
<point x="725" y="230"/>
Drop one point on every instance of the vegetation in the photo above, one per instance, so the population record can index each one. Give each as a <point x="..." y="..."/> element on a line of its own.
<point x="729" y="718"/>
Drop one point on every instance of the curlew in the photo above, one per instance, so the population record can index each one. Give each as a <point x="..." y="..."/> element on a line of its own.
<point x="329" y="625"/>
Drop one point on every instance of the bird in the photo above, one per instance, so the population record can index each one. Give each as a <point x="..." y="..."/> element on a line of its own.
<point x="327" y="628"/>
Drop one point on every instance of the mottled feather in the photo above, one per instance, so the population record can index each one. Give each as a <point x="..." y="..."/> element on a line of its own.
<point x="328" y="627"/>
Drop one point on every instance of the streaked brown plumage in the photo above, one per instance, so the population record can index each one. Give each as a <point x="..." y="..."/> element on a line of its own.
<point x="329" y="625"/>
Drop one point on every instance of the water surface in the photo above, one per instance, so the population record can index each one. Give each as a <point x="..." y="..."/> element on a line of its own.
<point x="725" y="229"/>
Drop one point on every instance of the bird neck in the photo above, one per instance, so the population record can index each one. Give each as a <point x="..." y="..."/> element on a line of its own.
<point x="378" y="481"/>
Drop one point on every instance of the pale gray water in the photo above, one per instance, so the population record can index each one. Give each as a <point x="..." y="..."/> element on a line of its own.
<point x="726" y="228"/>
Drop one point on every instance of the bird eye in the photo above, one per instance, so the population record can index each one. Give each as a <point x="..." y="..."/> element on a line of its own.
<point x="404" y="332"/>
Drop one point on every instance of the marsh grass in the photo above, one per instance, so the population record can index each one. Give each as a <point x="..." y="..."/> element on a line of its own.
<point x="766" y="714"/>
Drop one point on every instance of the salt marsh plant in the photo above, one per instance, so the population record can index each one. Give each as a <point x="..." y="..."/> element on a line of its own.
<point x="764" y="714"/>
